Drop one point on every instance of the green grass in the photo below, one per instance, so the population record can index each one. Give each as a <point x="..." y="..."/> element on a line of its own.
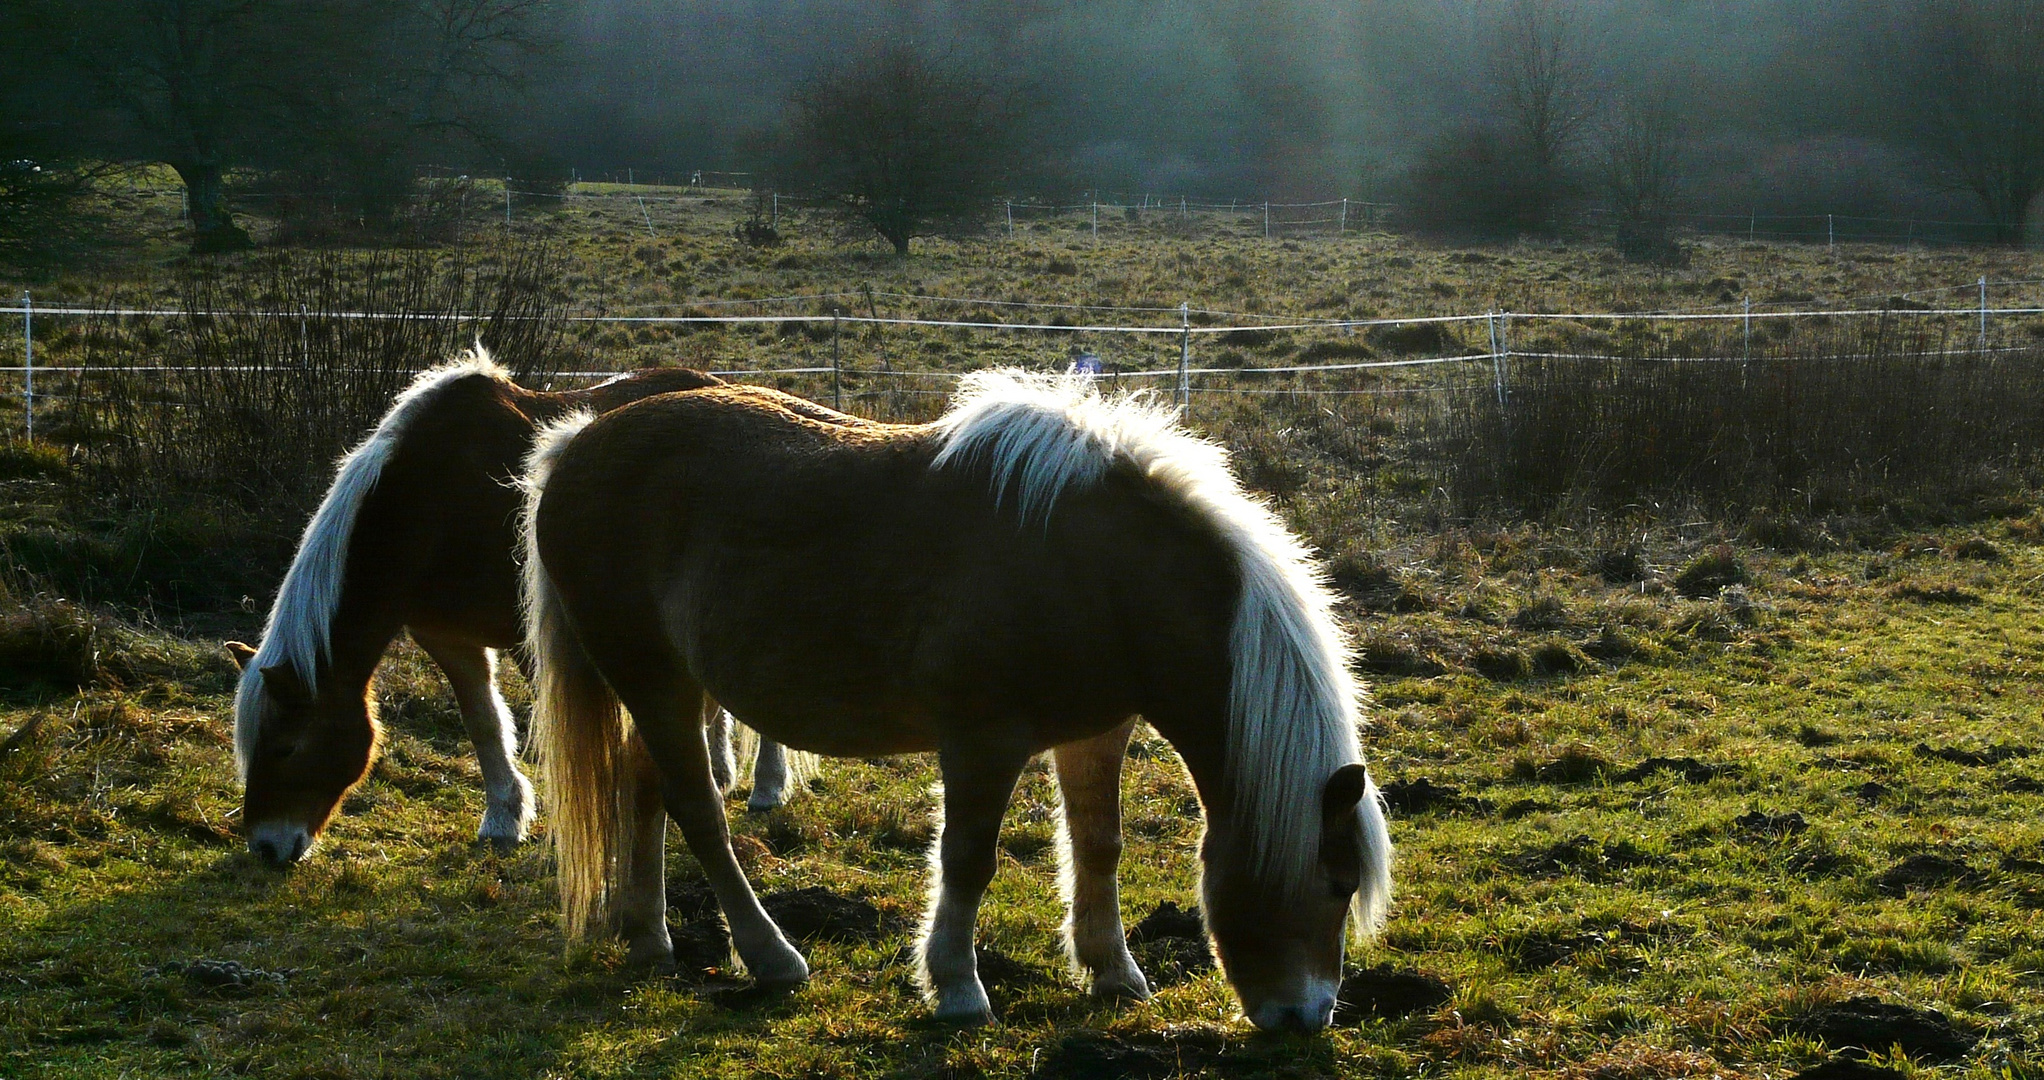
<point x="1865" y="696"/>
<point x="1586" y="921"/>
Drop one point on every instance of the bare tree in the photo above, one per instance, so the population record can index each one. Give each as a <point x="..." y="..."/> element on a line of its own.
<point x="1543" y="80"/>
<point x="1641" y="163"/>
<point x="1972" y="98"/>
<point x="899" y="142"/>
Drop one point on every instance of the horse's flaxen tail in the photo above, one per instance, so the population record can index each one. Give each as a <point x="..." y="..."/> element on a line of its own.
<point x="579" y="731"/>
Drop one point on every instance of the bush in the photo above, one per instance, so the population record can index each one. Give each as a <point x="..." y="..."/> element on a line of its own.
<point x="1477" y="184"/>
<point x="757" y="231"/>
<point x="1871" y="416"/>
<point x="259" y="400"/>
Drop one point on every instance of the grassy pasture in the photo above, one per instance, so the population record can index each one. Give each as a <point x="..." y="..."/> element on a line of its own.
<point x="1708" y="776"/>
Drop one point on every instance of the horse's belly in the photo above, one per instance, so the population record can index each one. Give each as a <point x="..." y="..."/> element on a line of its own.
<point x="829" y="729"/>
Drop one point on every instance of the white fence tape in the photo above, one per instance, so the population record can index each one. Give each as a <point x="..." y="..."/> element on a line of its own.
<point x="1499" y="351"/>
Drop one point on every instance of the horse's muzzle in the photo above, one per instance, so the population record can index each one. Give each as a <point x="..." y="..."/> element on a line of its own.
<point x="279" y="844"/>
<point x="1310" y="1016"/>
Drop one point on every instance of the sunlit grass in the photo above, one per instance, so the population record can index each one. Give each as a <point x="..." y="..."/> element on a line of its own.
<point x="1868" y="696"/>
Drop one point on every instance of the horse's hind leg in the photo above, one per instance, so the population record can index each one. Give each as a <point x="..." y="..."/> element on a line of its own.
<point x="668" y="711"/>
<point x="717" y="729"/>
<point x="769" y="776"/>
<point x="472" y="672"/>
<point x="978" y="783"/>
<point x="1089" y="779"/>
<point x="642" y="902"/>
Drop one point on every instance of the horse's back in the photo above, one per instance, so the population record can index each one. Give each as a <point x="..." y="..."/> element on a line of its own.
<point x="832" y="587"/>
<point x="441" y="527"/>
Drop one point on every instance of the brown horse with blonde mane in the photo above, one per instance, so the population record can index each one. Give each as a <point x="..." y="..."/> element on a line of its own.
<point x="416" y="533"/>
<point x="1030" y="572"/>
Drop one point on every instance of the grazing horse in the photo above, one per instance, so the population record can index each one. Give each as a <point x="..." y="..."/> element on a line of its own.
<point x="417" y="533"/>
<point x="1030" y="572"/>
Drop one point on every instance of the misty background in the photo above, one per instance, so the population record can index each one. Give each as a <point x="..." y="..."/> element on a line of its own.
<point x="1278" y="99"/>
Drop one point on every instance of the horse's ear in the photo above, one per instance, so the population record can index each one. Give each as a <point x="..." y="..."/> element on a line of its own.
<point x="286" y="685"/>
<point x="241" y="654"/>
<point x="1344" y="791"/>
<point x="1341" y="830"/>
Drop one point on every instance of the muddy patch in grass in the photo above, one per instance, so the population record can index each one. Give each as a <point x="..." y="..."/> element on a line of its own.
<point x="1761" y="825"/>
<point x="1183" y="1051"/>
<point x="1581" y="855"/>
<point x="1866" y="1025"/>
<point x="1923" y="870"/>
<point x="1170" y="945"/>
<point x="224" y="978"/>
<point x="1847" y="1069"/>
<point x="1984" y="756"/>
<point x="1421" y="796"/>
<point x="1388" y="992"/>
<point x="817" y="914"/>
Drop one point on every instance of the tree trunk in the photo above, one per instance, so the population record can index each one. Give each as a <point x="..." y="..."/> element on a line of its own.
<point x="213" y="227"/>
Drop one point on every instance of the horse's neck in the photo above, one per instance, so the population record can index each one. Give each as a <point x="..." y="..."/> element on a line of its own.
<point x="1203" y="747"/>
<point x="359" y="640"/>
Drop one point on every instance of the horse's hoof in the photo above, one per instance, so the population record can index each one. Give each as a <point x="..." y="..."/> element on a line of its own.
<point x="760" y="804"/>
<point x="780" y="972"/>
<point x="505" y="829"/>
<point x="979" y="1017"/>
<point x="1127" y="987"/>
<point x="652" y="959"/>
<point x="967" y="1009"/>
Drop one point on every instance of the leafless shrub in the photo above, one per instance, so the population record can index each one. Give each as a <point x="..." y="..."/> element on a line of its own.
<point x="1825" y="416"/>
<point x="267" y="377"/>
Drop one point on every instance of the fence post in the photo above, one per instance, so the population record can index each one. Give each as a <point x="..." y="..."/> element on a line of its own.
<point x="1749" y="332"/>
<point x="1497" y="359"/>
<point x="1184" y="357"/>
<point x="1096" y="222"/>
<point x="1752" y="222"/>
<point x="1983" y="314"/>
<point x="1830" y="232"/>
<point x="836" y="386"/>
<point x="1009" y="206"/>
<point x="1183" y="215"/>
<point x="28" y="362"/>
<point x="648" y="216"/>
<point x="1266" y="221"/>
<point x="1344" y="216"/>
<point x="776" y="222"/>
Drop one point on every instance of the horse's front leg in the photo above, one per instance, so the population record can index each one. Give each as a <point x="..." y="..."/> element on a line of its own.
<point x="697" y="805"/>
<point x="1089" y="779"/>
<point x="472" y="672"/>
<point x="978" y="783"/>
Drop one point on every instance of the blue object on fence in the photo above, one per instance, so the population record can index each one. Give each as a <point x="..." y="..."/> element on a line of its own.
<point x="1085" y="364"/>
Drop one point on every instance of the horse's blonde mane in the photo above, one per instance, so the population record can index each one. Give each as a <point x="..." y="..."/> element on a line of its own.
<point x="1294" y="708"/>
<point x="301" y="618"/>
